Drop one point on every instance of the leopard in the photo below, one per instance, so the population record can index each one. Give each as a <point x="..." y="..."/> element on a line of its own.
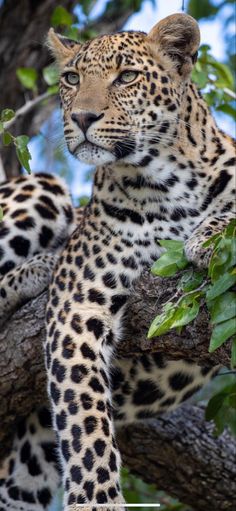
<point x="164" y="170"/>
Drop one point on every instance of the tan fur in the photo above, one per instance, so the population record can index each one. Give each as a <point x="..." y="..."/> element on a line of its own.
<point x="178" y="36"/>
<point x="62" y="48"/>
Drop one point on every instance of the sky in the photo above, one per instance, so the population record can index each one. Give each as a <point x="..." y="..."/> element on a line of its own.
<point x="211" y="33"/>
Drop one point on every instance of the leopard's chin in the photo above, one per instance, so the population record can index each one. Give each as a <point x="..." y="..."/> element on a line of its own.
<point x="93" y="155"/>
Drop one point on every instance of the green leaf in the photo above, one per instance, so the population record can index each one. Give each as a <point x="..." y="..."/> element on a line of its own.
<point x="169" y="263"/>
<point x="162" y="323"/>
<point x="50" y="74"/>
<point x="200" y="78"/>
<point x="74" y="34"/>
<point x="221" y="333"/>
<point x="225" y="74"/>
<point x="204" y="48"/>
<point x="232" y="400"/>
<point x="221" y="285"/>
<point x="223" y="307"/>
<point x="83" y="200"/>
<point x="227" y="109"/>
<point x="24" y="157"/>
<point x="27" y="77"/>
<point x="230" y="419"/>
<point x="7" y="138"/>
<point x="214" y="404"/>
<point x="226" y="416"/>
<point x="211" y="240"/>
<point x="166" y="271"/>
<point x="221" y="408"/>
<point x="61" y="16"/>
<point x="202" y="9"/>
<point x="174" y="245"/>
<point x="53" y="89"/>
<point x="219" y="421"/>
<point x="7" y="114"/>
<point x="1" y="127"/>
<point x="185" y="313"/>
<point x="1" y="214"/>
<point x="233" y="353"/>
<point x="231" y="228"/>
<point x="191" y="280"/>
<point x="222" y="259"/>
<point x="21" y="141"/>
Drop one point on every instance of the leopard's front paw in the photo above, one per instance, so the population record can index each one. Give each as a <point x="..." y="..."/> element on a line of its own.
<point x="197" y="254"/>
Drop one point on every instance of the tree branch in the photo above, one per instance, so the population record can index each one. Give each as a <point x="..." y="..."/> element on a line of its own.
<point x="22" y="382"/>
<point x="23" y="379"/>
<point x="187" y="461"/>
<point x="26" y="108"/>
<point x="145" y="302"/>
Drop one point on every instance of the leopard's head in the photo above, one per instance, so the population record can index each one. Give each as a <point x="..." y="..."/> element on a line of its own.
<point x="121" y="93"/>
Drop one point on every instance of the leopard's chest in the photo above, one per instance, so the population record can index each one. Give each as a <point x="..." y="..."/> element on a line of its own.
<point x="122" y="249"/>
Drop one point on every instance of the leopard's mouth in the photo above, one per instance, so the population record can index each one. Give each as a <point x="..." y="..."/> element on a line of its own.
<point x="93" y="154"/>
<point x="88" y="145"/>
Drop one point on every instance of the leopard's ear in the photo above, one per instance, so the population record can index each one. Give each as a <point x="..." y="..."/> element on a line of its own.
<point x="62" y="48"/>
<point x="178" y="37"/>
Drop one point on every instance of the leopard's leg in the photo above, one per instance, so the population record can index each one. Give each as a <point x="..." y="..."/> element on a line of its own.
<point x="83" y="325"/>
<point x="24" y="283"/>
<point x="148" y="385"/>
<point x="194" y="250"/>
<point x="30" y="475"/>
<point x="83" y="412"/>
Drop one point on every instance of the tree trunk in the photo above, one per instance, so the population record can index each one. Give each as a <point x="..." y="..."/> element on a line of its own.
<point x="187" y="459"/>
<point x="24" y="25"/>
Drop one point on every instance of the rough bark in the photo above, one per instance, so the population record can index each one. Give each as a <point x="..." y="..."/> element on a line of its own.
<point x="24" y="25"/>
<point x="146" y="301"/>
<point x="197" y="458"/>
<point x="22" y="381"/>
<point x="180" y="453"/>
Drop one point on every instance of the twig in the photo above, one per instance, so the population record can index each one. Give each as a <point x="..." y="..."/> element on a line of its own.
<point x="26" y="108"/>
<point x="230" y="92"/>
<point x="189" y="293"/>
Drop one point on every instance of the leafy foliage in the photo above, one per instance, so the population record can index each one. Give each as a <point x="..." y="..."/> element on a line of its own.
<point x="61" y="17"/>
<point x="27" y="77"/>
<point x="22" y="151"/>
<point x="212" y="287"/>
<point x="202" y="9"/>
<point x="216" y="81"/>
<point x="137" y="492"/>
<point x="225" y="11"/>
<point x="20" y="142"/>
<point x="222" y="409"/>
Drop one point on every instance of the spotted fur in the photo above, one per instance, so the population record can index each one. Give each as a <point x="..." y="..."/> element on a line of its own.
<point x="37" y="219"/>
<point x="164" y="171"/>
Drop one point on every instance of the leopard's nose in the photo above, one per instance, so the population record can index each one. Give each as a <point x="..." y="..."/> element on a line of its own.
<point x="85" y="119"/>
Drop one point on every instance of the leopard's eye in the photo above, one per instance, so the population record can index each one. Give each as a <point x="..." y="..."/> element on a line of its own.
<point x="71" y="78"/>
<point x="127" y="77"/>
